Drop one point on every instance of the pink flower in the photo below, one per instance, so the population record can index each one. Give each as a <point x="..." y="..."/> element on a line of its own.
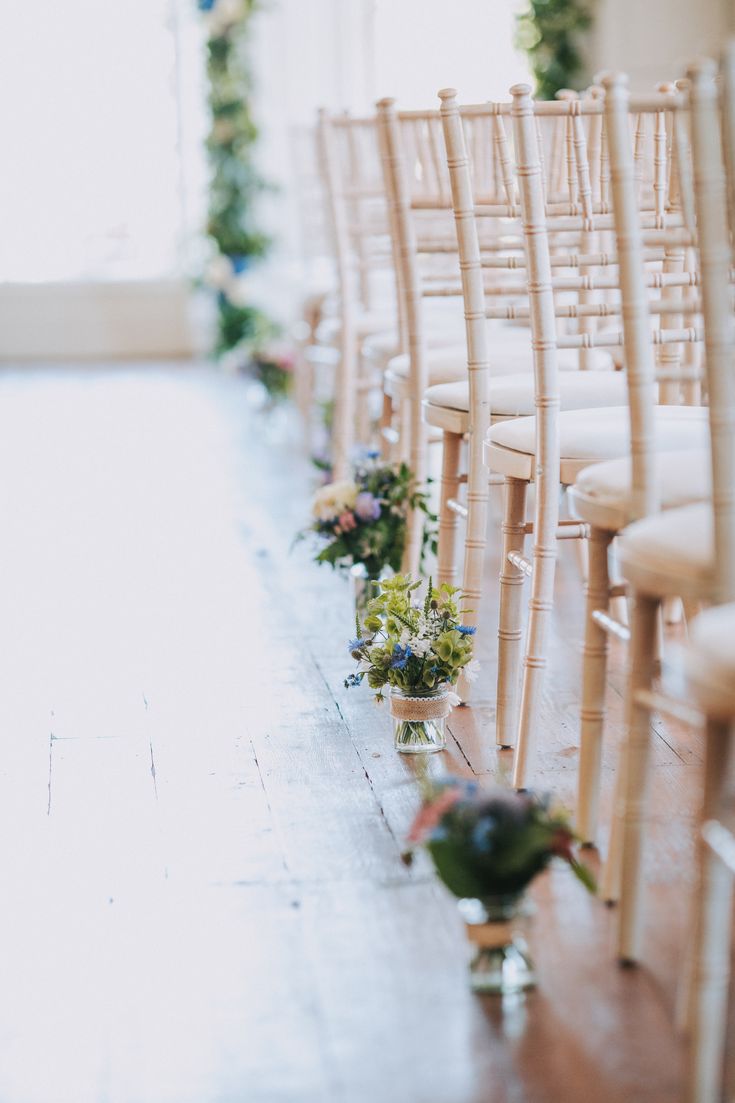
<point x="429" y="815"/>
<point x="347" y="521"/>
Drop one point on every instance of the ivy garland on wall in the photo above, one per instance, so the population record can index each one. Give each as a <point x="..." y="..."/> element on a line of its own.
<point x="235" y="182"/>
<point x="552" y="34"/>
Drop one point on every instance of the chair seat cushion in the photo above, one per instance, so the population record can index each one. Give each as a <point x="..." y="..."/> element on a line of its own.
<point x="601" y="495"/>
<point x="589" y="436"/>
<point x="710" y="660"/>
<point x="447" y="404"/>
<point x="670" y="553"/>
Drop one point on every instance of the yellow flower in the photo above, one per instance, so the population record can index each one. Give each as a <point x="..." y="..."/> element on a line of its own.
<point x="333" y="499"/>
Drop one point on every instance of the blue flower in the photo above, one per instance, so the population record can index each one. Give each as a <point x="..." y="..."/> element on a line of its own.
<point x="401" y="657"/>
<point x="372" y="453"/>
<point x="355" y="645"/>
<point x="466" y="630"/>
<point x="482" y="833"/>
<point x="206" y="5"/>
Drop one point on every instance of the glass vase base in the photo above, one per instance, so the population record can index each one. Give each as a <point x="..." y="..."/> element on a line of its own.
<point x="419" y="736"/>
<point x="502" y="970"/>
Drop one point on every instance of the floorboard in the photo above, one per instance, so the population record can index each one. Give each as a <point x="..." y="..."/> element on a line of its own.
<point x="201" y="828"/>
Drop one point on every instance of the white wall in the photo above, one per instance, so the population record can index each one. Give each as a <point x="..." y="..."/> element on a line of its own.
<point x="654" y="40"/>
<point x="346" y="54"/>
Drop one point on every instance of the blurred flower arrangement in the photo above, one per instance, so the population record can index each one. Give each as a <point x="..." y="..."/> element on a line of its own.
<point x="491" y="844"/>
<point x="487" y="847"/>
<point x="235" y="182"/>
<point x="363" y="520"/>
<point x="417" y="649"/>
<point x="273" y="367"/>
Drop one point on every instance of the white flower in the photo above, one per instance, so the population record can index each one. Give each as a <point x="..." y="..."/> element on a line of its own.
<point x="333" y="499"/>
<point x="223" y="15"/>
<point x="240" y="291"/>
<point x="219" y="272"/>
<point x="471" y="670"/>
<point x="454" y="699"/>
<point x="420" y="647"/>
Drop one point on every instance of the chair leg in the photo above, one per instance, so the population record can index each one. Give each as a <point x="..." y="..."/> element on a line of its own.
<point x="711" y="957"/>
<point x="537" y="657"/>
<point x="609" y="886"/>
<point x="363" y="427"/>
<point x="404" y="431"/>
<point x="594" y="677"/>
<point x="414" y="436"/>
<point x="343" y="429"/>
<point x="636" y="754"/>
<point x="510" y="625"/>
<point x="386" y="422"/>
<point x="478" y="501"/>
<point x="448" y="520"/>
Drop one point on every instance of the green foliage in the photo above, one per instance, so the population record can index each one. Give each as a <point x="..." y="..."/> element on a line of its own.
<point x="493" y="843"/>
<point x="408" y="643"/>
<point x="274" y="369"/>
<point x="551" y="33"/>
<point x="234" y="180"/>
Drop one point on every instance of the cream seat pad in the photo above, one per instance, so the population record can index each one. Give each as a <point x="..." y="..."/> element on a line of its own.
<point x="710" y="662"/>
<point x="601" y="494"/>
<point x="670" y="553"/>
<point x="446" y="405"/>
<point x="589" y="436"/>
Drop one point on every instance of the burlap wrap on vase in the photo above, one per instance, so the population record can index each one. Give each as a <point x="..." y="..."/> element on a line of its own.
<point x="489" y="936"/>
<point x="417" y="709"/>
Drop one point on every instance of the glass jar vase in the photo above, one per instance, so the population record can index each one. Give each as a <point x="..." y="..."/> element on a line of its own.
<point x="501" y="964"/>
<point x="419" y="718"/>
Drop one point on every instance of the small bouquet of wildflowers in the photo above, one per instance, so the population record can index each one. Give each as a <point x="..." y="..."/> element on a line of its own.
<point x="417" y="648"/>
<point x="490" y="844"/>
<point x="487" y="847"/>
<point x="363" y="520"/>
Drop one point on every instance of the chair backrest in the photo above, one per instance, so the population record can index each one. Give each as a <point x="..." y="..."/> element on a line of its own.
<point x="420" y="184"/>
<point x="314" y="223"/>
<point x="364" y="259"/>
<point x="351" y="165"/>
<point x="715" y="246"/>
<point x="643" y="269"/>
<point x="569" y="275"/>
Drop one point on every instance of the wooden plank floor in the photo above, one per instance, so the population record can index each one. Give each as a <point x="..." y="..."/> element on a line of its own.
<point x="203" y="897"/>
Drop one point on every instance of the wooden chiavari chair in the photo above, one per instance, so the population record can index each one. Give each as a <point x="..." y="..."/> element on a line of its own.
<point x="419" y="194"/>
<point x="689" y="551"/>
<point x="500" y="359"/>
<point x="365" y="268"/>
<point x="610" y="495"/>
<point x="551" y="448"/>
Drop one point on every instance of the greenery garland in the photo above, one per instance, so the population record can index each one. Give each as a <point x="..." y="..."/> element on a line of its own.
<point x="235" y="182"/>
<point x="551" y="32"/>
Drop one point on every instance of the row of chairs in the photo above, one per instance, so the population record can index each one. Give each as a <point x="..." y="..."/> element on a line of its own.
<point x="546" y="290"/>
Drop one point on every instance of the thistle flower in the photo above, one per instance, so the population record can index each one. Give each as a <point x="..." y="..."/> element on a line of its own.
<point x="367" y="507"/>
